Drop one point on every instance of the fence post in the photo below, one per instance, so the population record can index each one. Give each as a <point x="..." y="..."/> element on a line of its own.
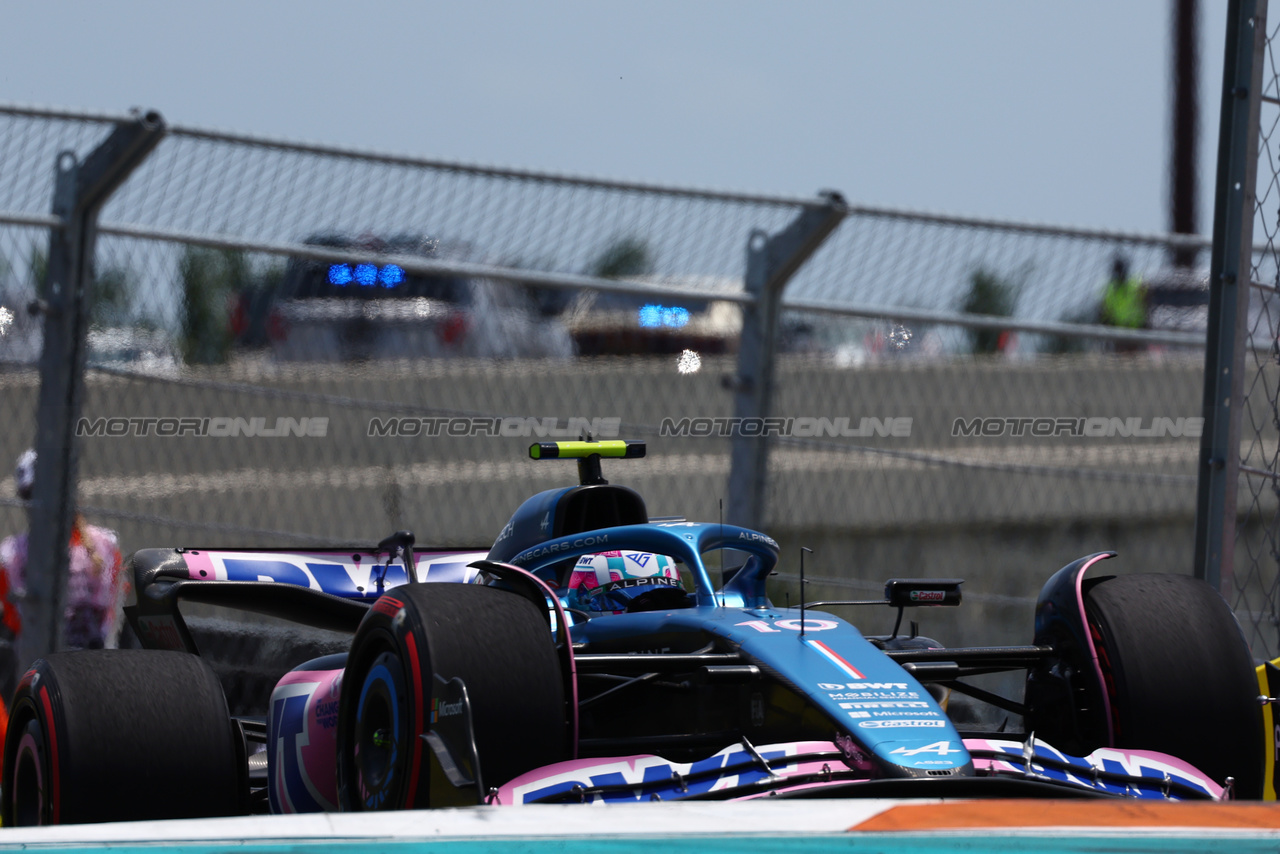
<point x="81" y="189"/>
<point x="1230" y="274"/>
<point x="771" y="262"/>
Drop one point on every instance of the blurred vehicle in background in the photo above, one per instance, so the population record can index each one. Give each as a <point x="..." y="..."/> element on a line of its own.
<point x="851" y="342"/>
<point x="613" y="324"/>
<point x="21" y="332"/>
<point x="325" y="311"/>
<point x="1177" y="300"/>
<point x="133" y="348"/>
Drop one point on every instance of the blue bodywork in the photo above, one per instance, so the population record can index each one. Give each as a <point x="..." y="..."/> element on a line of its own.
<point x="864" y="693"/>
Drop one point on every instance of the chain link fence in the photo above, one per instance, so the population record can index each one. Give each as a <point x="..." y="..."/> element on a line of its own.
<point x="297" y="344"/>
<point x="1253" y="586"/>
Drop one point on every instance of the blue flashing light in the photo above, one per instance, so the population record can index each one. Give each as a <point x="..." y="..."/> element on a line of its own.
<point x="339" y="274"/>
<point x="366" y="274"/>
<point x="653" y="316"/>
<point x="650" y="316"/>
<point x="391" y="275"/>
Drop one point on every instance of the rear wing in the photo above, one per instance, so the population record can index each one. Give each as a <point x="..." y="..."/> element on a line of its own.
<point x="325" y="588"/>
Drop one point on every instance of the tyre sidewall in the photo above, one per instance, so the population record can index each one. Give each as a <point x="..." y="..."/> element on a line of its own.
<point x="1179" y="675"/>
<point x="32" y="730"/>
<point x="384" y="630"/>
<point x="498" y="643"/>
<point x="125" y="735"/>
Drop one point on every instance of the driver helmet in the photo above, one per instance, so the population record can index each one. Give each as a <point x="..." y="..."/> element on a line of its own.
<point x="620" y="581"/>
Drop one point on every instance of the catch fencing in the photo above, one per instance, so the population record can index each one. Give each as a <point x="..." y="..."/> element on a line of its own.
<point x="1240" y="548"/>
<point x="296" y="344"/>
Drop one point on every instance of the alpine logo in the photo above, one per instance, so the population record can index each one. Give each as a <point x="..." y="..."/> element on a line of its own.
<point x="942" y="748"/>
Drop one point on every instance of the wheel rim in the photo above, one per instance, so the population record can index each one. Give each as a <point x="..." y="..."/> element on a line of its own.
<point x="379" y="737"/>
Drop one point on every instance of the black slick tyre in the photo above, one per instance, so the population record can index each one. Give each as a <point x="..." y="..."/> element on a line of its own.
<point x="1178" y="674"/>
<point x="496" y="642"/>
<point x="120" y="735"/>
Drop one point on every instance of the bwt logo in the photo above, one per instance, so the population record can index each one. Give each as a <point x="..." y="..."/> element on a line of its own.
<point x="216" y="427"/>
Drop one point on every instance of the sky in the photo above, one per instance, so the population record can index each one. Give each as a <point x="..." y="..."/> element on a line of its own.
<point x="1041" y="111"/>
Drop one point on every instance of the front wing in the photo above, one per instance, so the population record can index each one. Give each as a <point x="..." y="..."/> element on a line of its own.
<point x="829" y="769"/>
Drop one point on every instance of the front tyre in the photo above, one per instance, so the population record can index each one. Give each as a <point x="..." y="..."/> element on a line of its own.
<point x="1178" y="674"/>
<point x="497" y="642"/>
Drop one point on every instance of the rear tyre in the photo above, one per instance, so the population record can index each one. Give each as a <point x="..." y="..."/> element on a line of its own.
<point x="1178" y="674"/>
<point x="497" y="642"/>
<point x="120" y="735"/>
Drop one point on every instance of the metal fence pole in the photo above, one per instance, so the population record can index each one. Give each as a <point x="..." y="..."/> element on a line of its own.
<point x="81" y="189"/>
<point x="771" y="262"/>
<point x="1229" y="276"/>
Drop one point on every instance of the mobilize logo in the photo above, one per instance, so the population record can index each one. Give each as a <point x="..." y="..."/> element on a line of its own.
<point x="801" y="427"/>
<point x="509" y="427"/>
<point x="218" y="427"/>
<point x="1096" y="427"/>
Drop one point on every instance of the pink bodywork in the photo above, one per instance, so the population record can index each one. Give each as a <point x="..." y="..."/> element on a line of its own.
<point x="1133" y="762"/>
<point x="1093" y="650"/>
<point x="821" y="757"/>
<point x="317" y="750"/>
<point x="633" y="769"/>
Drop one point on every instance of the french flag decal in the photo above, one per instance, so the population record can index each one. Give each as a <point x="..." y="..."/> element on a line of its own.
<point x="830" y="655"/>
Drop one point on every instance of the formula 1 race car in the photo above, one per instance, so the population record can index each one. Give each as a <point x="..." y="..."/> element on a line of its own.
<point x="588" y="657"/>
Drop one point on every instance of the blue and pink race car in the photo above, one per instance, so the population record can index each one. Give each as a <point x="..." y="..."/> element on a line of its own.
<point x="588" y="656"/>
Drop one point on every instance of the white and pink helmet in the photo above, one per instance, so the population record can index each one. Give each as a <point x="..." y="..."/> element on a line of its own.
<point x="619" y="581"/>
